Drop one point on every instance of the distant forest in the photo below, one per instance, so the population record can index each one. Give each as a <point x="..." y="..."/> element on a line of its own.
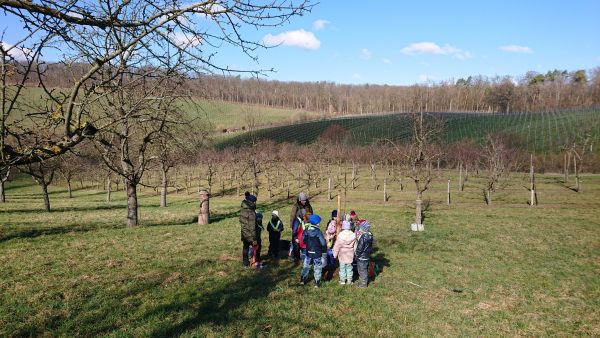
<point x="550" y="91"/>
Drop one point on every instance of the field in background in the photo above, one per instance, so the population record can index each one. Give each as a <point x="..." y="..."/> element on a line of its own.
<point x="533" y="132"/>
<point x="477" y="270"/>
<point x="221" y="115"/>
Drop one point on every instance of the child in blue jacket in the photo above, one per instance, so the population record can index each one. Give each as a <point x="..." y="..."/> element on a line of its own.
<point x="315" y="247"/>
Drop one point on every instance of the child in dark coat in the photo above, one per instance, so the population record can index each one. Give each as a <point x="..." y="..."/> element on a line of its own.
<point x="364" y="247"/>
<point x="275" y="227"/>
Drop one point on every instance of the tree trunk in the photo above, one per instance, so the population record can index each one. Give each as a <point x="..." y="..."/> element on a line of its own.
<point x="132" y="205"/>
<point x="577" y="186"/>
<point x="2" y="194"/>
<point x="385" y="195"/>
<point x="565" y="168"/>
<point x="163" y="184"/>
<point x="418" y="210"/>
<point x="108" y="188"/>
<point x="461" y="185"/>
<point x="69" y="188"/>
<point x="329" y="188"/>
<point x="353" y="176"/>
<point x="46" y="197"/>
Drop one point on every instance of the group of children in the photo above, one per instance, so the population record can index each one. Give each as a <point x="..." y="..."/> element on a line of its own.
<point x="351" y="245"/>
<point x="350" y="242"/>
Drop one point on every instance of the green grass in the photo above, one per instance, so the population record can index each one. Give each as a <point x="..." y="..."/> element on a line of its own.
<point x="219" y="113"/>
<point x="504" y="269"/>
<point x="533" y="132"/>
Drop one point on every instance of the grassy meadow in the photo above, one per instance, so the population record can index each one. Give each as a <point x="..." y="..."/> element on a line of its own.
<point x="220" y="114"/>
<point x="501" y="270"/>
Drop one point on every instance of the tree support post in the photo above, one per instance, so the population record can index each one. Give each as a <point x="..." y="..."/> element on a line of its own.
<point x="204" y="215"/>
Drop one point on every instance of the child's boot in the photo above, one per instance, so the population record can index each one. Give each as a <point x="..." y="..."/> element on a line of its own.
<point x="318" y="284"/>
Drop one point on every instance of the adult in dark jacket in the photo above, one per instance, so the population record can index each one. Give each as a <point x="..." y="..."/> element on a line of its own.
<point x="315" y="247"/>
<point x="301" y="207"/>
<point x="364" y="247"/>
<point x="248" y="225"/>
<point x="274" y="227"/>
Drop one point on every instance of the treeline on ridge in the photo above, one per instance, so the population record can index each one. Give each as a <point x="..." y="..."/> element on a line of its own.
<point x="557" y="89"/>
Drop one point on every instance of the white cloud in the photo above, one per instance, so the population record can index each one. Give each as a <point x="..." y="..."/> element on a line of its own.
<point x="386" y="61"/>
<point x="320" y="24"/>
<point x="433" y="48"/>
<point x="212" y="9"/>
<point x="16" y="52"/>
<point x="298" y="38"/>
<point x="365" y="54"/>
<point x="184" y="40"/>
<point x="516" y="49"/>
<point x="356" y="76"/>
<point x="426" y="78"/>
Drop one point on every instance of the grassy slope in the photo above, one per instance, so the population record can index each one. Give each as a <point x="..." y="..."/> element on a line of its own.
<point x="536" y="132"/>
<point x="521" y="270"/>
<point x="220" y="114"/>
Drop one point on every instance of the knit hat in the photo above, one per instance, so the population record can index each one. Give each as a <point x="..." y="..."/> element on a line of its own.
<point x="347" y="217"/>
<point x="346" y="225"/>
<point x="365" y="226"/>
<point x="334" y="213"/>
<point x="314" y="219"/>
<point x="331" y="228"/>
<point x="275" y="212"/>
<point x="352" y="213"/>
<point x="302" y="197"/>
<point x="259" y="215"/>
<point x="250" y="197"/>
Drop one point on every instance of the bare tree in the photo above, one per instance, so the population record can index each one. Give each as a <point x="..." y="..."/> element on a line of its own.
<point x="137" y="110"/>
<point x="43" y="174"/>
<point x="84" y="33"/>
<point x="497" y="159"/>
<point x="420" y="155"/>
<point x="4" y="176"/>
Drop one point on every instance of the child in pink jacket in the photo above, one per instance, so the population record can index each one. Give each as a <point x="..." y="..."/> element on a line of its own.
<point x="343" y="250"/>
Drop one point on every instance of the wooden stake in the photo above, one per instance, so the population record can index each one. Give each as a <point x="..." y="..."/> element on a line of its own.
<point x="448" y="192"/>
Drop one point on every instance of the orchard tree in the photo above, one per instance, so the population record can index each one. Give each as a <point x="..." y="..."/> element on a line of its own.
<point x="421" y="153"/>
<point x="498" y="160"/>
<point x="96" y="35"/>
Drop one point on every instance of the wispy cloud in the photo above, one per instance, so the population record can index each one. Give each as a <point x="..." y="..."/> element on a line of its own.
<point x="298" y="38"/>
<point x="516" y="49"/>
<point x="426" y="78"/>
<point x="356" y="76"/>
<point x="386" y="61"/>
<point x="320" y="24"/>
<point x="433" y="48"/>
<point x="365" y="54"/>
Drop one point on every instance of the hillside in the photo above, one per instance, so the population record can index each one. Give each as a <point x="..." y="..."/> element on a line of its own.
<point x="221" y="114"/>
<point x="539" y="132"/>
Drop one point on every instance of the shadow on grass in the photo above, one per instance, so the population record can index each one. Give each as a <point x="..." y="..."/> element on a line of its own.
<point x="223" y="305"/>
<point x="381" y="262"/>
<point x="32" y="233"/>
<point x="65" y="209"/>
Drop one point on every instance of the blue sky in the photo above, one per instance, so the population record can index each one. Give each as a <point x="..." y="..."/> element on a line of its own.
<point x="402" y="42"/>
